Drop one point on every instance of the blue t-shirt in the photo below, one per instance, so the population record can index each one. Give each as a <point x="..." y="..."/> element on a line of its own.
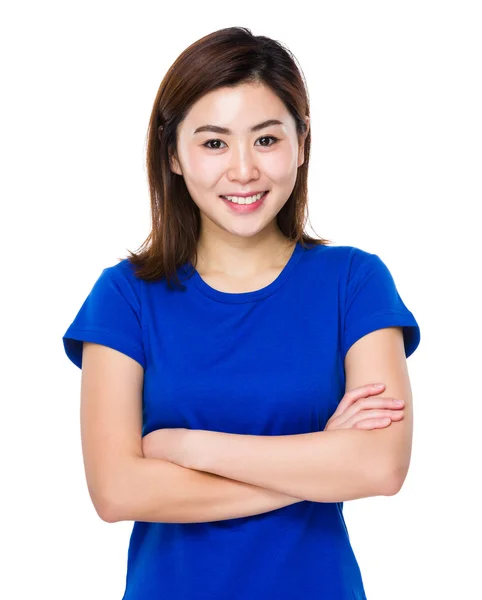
<point x="265" y="362"/>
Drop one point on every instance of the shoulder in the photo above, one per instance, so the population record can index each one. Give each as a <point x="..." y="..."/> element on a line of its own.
<point x="342" y="253"/>
<point x="123" y="268"/>
<point x="123" y="273"/>
<point x="119" y="281"/>
<point x="343" y="260"/>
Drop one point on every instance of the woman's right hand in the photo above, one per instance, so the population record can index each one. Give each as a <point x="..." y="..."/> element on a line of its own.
<point x="358" y="409"/>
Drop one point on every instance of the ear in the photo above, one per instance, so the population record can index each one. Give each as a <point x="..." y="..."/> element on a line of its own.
<point x="174" y="164"/>
<point x="301" y="151"/>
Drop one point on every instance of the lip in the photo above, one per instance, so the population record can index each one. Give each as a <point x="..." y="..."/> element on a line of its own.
<point x="245" y="195"/>
<point x="246" y="208"/>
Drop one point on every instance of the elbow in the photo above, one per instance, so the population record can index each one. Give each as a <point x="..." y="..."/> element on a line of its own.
<point x="108" y="514"/>
<point x="108" y="505"/>
<point x="392" y="486"/>
<point x="112" y="493"/>
<point x="394" y="480"/>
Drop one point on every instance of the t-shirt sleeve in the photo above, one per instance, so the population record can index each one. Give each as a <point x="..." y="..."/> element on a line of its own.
<point x="372" y="302"/>
<point x="110" y="315"/>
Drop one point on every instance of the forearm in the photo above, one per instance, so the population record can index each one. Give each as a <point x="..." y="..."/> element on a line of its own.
<point x="155" y="490"/>
<point x="326" y="466"/>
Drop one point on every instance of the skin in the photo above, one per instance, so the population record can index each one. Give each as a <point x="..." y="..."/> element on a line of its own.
<point x="343" y="462"/>
<point x="125" y="481"/>
<point x="244" y="248"/>
<point x="239" y="247"/>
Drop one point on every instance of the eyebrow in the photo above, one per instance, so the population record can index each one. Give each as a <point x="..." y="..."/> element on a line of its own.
<point x="227" y="131"/>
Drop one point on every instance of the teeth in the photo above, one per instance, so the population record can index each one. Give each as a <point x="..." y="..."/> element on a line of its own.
<point x="248" y="200"/>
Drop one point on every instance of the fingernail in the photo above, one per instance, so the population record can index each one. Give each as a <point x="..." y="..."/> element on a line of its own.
<point x="378" y="385"/>
<point x="398" y="402"/>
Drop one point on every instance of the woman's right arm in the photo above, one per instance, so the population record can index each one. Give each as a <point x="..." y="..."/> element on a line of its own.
<point x="125" y="486"/>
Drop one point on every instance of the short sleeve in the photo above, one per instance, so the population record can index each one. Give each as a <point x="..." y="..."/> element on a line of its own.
<point x="110" y="315"/>
<point x="372" y="302"/>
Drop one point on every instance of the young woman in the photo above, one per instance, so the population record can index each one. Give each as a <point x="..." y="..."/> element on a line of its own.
<point x="231" y="414"/>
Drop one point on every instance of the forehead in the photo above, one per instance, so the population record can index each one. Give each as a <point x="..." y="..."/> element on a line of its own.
<point x="237" y="108"/>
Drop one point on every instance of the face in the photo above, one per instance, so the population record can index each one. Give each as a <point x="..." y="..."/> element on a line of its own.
<point x="215" y="163"/>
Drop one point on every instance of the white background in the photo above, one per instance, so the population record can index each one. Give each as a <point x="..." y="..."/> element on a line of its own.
<point x="396" y="160"/>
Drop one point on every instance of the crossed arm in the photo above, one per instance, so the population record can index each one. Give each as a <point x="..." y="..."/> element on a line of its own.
<point x="227" y="475"/>
<point x="326" y="466"/>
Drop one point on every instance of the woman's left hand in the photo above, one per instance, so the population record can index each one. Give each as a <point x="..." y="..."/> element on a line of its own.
<point x="174" y="445"/>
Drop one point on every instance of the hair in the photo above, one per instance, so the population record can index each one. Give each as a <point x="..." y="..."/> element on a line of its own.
<point x="225" y="58"/>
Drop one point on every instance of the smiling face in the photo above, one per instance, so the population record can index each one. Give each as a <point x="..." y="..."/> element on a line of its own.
<point x="238" y="160"/>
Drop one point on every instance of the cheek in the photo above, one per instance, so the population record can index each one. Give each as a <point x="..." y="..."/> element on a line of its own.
<point x="202" y="169"/>
<point x="278" y="167"/>
<point x="205" y="169"/>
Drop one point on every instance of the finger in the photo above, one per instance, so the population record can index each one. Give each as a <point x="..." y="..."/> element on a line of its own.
<point x="373" y="414"/>
<point x="364" y="404"/>
<point x="373" y="424"/>
<point x="355" y="394"/>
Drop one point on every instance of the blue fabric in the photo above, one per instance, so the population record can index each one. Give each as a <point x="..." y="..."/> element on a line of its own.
<point x="266" y="362"/>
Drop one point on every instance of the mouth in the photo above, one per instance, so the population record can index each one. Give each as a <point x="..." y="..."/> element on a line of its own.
<point x="245" y="208"/>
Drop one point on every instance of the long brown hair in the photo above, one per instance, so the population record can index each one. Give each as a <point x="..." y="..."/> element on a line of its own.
<point x="227" y="57"/>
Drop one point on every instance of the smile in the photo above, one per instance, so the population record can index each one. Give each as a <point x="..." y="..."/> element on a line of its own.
<point x="245" y="205"/>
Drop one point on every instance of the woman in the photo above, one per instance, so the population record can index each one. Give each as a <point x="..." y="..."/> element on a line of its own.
<point x="231" y="415"/>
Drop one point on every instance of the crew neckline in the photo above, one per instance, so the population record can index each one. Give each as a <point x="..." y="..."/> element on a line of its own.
<point x="241" y="297"/>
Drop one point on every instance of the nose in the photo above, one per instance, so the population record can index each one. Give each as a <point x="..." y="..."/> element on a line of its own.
<point x="243" y="164"/>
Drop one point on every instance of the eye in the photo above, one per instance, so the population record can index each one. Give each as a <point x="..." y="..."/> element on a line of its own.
<point x="264" y="137"/>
